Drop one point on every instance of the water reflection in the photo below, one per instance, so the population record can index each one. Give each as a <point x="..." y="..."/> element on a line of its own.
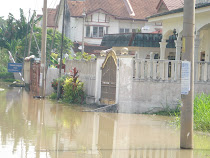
<point x="43" y="129"/>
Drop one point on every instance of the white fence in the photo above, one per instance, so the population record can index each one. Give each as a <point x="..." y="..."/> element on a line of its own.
<point x="157" y="70"/>
<point x="167" y="70"/>
<point x="202" y="71"/>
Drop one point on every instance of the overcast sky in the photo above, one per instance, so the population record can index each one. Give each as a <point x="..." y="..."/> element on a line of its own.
<point x="12" y="6"/>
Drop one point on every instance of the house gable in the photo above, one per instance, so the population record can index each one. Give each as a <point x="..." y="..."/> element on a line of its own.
<point x="162" y="7"/>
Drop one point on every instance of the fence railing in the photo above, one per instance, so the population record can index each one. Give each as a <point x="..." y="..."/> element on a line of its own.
<point x="167" y="70"/>
<point x="202" y="71"/>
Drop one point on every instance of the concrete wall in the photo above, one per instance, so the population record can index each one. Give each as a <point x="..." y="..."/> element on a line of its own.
<point x="87" y="74"/>
<point x="132" y="95"/>
<point x="138" y="96"/>
<point x="52" y="73"/>
<point x="27" y="67"/>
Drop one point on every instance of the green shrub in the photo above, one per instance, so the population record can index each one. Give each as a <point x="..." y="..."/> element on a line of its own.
<point x="6" y="75"/>
<point x="53" y="95"/>
<point x="55" y="83"/>
<point x="201" y="113"/>
<point x="73" y="89"/>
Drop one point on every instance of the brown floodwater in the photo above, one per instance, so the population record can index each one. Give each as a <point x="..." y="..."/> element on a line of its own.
<point x="34" y="128"/>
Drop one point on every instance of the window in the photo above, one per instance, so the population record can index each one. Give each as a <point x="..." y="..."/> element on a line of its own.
<point x="101" y="31"/>
<point x="95" y="31"/>
<point x="87" y="31"/>
<point x="107" y="30"/>
<point x="124" y="30"/>
<point x="121" y="30"/>
<point x="134" y="30"/>
<point x="98" y="31"/>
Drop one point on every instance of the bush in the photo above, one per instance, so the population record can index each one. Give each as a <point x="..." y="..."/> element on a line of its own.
<point x="73" y="89"/>
<point x="201" y="113"/>
<point x="6" y="75"/>
<point x="55" y="84"/>
<point x="53" y="95"/>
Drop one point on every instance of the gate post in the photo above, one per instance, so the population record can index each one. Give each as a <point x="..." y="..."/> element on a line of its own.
<point x="124" y="84"/>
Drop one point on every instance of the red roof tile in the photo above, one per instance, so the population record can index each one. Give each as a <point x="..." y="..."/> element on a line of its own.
<point x="171" y="4"/>
<point x="117" y="8"/>
<point x="51" y="12"/>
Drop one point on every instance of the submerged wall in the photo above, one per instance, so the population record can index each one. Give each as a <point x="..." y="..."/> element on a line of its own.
<point x="136" y="92"/>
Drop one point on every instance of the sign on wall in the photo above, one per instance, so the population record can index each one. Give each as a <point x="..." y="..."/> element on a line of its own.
<point x="15" y="67"/>
<point x="185" y="77"/>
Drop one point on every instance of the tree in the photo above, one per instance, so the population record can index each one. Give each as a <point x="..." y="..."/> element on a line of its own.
<point x="13" y="37"/>
<point x="57" y="43"/>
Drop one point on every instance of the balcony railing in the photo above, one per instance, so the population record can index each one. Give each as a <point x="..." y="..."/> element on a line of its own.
<point x="202" y="1"/>
<point x="167" y="70"/>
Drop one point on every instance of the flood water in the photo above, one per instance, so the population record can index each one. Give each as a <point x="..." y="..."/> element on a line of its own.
<point x="33" y="128"/>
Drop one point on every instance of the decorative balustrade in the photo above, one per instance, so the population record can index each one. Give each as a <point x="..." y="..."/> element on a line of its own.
<point x="202" y="1"/>
<point x="202" y="71"/>
<point x="167" y="70"/>
<point x="157" y="70"/>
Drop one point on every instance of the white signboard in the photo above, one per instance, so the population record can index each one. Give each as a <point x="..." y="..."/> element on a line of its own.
<point x="185" y="77"/>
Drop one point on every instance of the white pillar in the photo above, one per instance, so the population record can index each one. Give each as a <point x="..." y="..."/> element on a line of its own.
<point x="142" y="69"/>
<point x="163" y="49"/>
<point x="196" y="59"/>
<point x="207" y="54"/>
<point x="178" y="44"/>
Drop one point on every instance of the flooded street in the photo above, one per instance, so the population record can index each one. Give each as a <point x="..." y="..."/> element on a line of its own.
<point x="33" y="128"/>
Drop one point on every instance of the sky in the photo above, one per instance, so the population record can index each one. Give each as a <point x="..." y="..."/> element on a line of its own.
<point x="12" y="6"/>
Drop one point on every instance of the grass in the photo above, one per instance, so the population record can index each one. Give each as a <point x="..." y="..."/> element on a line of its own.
<point x="201" y="113"/>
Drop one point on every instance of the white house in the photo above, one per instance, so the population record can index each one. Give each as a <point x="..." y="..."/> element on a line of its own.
<point x="172" y="22"/>
<point x="107" y="17"/>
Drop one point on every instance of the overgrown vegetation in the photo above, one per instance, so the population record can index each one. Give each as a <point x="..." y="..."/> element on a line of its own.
<point x="80" y="55"/>
<point x="61" y="80"/>
<point x="71" y="88"/>
<point x="201" y="113"/>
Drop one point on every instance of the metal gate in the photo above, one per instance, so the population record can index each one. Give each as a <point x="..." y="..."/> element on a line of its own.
<point x="108" y="80"/>
<point x="34" y="76"/>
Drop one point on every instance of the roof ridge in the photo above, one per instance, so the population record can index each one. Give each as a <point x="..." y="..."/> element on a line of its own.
<point x="129" y="7"/>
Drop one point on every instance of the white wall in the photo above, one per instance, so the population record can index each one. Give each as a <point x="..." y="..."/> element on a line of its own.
<point x="98" y="19"/>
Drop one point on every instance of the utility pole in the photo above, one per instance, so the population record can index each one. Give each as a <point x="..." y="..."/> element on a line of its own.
<point x="32" y="26"/>
<point x="186" y="133"/>
<point x="43" y="51"/>
<point x="60" y="67"/>
<point x="83" y="31"/>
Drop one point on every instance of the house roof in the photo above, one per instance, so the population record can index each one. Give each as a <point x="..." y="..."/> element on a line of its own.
<point x="51" y="12"/>
<point x="136" y="40"/>
<point x="116" y="8"/>
<point x="171" y="4"/>
<point x="179" y="10"/>
<point x="88" y="48"/>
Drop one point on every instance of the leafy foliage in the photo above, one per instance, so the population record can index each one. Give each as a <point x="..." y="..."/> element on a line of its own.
<point x="13" y="37"/>
<point x="201" y="113"/>
<point x="55" y="83"/>
<point x="73" y="88"/>
<point x="80" y="55"/>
